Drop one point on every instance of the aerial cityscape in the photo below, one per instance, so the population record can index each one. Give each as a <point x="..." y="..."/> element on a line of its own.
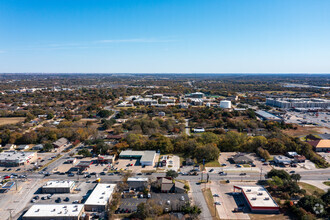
<point x="165" y="110"/>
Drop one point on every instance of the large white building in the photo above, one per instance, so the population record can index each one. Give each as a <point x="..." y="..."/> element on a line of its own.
<point x="147" y="158"/>
<point x="100" y="197"/>
<point x="54" y="211"/>
<point x="15" y="158"/>
<point x="58" y="186"/>
<point x="308" y="103"/>
<point x="258" y="199"/>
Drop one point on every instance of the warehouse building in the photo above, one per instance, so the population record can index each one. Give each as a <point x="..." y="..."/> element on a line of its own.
<point x="321" y="145"/>
<point x="55" y="212"/>
<point x="58" y="187"/>
<point x="268" y="116"/>
<point x="308" y="103"/>
<point x="258" y="199"/>
<point x="147" y="158"/>
<point x="15" y="159"/>
<point x="100" y="197"/>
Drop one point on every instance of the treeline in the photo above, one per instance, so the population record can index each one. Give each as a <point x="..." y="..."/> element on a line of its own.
<point x="284" y="187"/>
<point x="70" y="130"/>
<point x="208" y="145"/>
<point x="148" y="126"/>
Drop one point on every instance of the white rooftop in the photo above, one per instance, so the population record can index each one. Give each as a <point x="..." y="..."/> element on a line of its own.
<point x="16" y="156"/>
<point x="137" y="179"/>
<point x="59" y="184"/>
<point x="54" y="210"/>
<point x="258" y="196"/>
<point x="101" y="194"/>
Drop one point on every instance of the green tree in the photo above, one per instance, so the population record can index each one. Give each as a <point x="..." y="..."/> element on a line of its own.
<point x="172" y="173"/>
<point x="85" y="152"/>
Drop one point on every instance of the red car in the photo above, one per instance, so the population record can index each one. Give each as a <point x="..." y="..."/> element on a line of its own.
<point x="7" y="177"/>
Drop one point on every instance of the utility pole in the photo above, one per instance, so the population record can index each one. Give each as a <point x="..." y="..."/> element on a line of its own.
<point x="261" y="173"/>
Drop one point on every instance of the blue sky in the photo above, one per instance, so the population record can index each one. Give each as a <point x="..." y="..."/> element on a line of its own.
<point x="165" y="36"/>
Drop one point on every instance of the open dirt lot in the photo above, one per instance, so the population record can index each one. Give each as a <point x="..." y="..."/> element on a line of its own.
<point x="303" y="131"/>
<point x="13" y="120"/>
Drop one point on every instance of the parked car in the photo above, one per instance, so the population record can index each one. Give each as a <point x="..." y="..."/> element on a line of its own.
<point x="58" y="200"/>
<point x="67" y="199"/>
<point x="211" y="170"/>
<point x="215" y="195"/>
<point x="242" y="174"/>
<point x="217" y="203"/>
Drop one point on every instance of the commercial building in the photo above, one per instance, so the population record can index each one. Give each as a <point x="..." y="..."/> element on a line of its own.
<point x="138" y="183"/>
<point x="23" y="147"/>
<point x="15" y="158"/>
<point x="199" y="130"/>
<point x="197" y="95"/>
<point x="58" y="187"/>
<point x="55" y="211"/>
<point x="225" y="104"/>
<point x="258" y="199"/>
<point x="100" y="197"/>
<point x="240" y="158"/>
<point x="82" y="165"/>
<point x="145" y="101"/>
<point x="106" y="158"/>
<point x="60" y="144"/>
<point x="321" y="145"/>
<point x="308" y="103"/>
<point x="282" y="160"/>
<point x="167" y="185"/>
<point x="268" y="116"/>
<point x="147" y="158"/>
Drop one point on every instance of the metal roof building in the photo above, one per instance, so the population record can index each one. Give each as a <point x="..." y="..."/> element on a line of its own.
<point x="54" y="211"/>
<point x="147" y="158"/>
<point x="100" y="197"/>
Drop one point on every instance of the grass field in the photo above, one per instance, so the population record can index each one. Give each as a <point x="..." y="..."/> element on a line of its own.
<point x="210" y="203"/>
<point x="303" y="131"/>
<point x="310" y="189"/>
<point x="214" y="163"/>
<point x="11" y="120"/>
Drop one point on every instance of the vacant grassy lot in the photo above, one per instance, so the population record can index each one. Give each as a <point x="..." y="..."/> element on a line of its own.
<point x="303" y="131"/>
<point x="310" y="189"/>
<point x="214" y="163"/>
<point x="13" y="120"/>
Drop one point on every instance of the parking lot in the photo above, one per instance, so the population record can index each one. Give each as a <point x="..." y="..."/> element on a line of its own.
<point x="172" y="162"/>
<point x="133" y="165"/>
<point x="228" y="201"/>
<point x="81" y="192"/>
<point x="323" y="118"/>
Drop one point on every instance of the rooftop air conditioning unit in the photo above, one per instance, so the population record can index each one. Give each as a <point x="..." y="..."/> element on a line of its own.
<point x="37" y="210"/>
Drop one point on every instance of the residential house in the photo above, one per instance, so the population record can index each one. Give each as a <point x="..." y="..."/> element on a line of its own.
<point x="321" y="145"/>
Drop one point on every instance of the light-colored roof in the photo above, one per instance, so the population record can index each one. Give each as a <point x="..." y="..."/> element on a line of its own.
<point x="16" y="156"/>
<point x="321" y="143"/>
<point x="52" y="210"/>
<point x="137" y="179"/>
<point x="258" y="196"/>
<point x="101" y="194"/>
<point x="145" y="155"/>
<point x="61" y="141"/>
<point x="59" y="184"/>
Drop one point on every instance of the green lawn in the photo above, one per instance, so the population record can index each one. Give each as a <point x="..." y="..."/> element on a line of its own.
<point x="310" y="189"/>
<point x="214" y="163"/>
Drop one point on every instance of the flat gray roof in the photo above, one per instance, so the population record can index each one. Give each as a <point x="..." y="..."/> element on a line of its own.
<point x="145" y="155"/>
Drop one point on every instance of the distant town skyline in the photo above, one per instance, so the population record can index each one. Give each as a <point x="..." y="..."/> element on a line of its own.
<point x="147" y="36"/>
